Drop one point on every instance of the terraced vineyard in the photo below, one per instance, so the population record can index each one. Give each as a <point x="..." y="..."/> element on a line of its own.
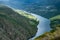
<point x="14" y="26"/>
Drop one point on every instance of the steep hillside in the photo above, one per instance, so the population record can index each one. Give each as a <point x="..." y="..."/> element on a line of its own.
<point x="14" y="26"/>
<point x="26" y="14"/>
<point x="54" y="34"/>
<point x="55" y="22"/>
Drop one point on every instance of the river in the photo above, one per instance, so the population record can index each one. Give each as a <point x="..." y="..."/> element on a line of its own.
<point x="43" y="26"/>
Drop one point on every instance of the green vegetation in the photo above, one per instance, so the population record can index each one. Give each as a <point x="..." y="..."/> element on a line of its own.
<point x="55" y="17"/>
<point x="54" y="34"/>
<point x="26" y="14"/>
<point x="15" y="26"/>
<point x="55" y="22"/>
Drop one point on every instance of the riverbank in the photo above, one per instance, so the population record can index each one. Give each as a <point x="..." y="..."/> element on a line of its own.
<point x="43" y="26"/>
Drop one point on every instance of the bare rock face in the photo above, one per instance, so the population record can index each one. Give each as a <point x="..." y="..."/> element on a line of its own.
<point x="14" y="26"/>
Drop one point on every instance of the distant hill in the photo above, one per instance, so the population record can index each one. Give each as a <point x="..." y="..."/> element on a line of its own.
<point x="54" y="34"/>
<point x="15" y="26"/>
<point x="45" y="11"/>
<point x="44" y="8"/>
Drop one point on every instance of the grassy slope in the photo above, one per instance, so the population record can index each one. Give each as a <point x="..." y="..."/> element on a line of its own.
<point x="26" y="14"/>
<point x="56" y="17"/>
<point x="14" y="26"/>
<point x="53" y="34"/>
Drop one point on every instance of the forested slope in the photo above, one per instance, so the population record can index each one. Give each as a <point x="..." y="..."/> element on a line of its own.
<point x="14" y="26"/>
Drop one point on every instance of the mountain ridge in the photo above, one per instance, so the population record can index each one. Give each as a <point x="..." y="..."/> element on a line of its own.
<point x="14" y="26"/>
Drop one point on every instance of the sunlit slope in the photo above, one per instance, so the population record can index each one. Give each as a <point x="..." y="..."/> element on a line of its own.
<point x="14" y="26"/>
<point x="55" y="17"/>
<point x="55" y="21"/>
<point x="26" y="14"/>
<point x="54" y="34"/>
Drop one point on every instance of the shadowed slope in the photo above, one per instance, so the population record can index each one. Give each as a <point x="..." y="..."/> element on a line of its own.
<point x="14" y="26"/>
